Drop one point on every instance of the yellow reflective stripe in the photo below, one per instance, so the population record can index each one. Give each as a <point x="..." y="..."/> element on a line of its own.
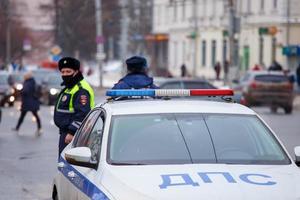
<point x="72" y="92"/>
<point x="59" y="100"/>
<point x="85" y="85"/>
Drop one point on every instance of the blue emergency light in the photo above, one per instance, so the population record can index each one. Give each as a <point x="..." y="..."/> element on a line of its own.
<point x="169" y="92"/>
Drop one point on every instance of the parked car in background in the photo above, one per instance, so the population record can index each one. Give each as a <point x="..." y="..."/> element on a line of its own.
<point x="187" y="83"/>
<point x="51" y="88"/>
<point x="181" y="83"/>
<point x="6" y="90"/>
<point x="41" y="77"/>
<point x="271" y="88"/>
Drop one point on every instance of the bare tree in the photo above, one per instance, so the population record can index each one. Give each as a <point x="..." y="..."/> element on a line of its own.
<point x="17" y="32"/>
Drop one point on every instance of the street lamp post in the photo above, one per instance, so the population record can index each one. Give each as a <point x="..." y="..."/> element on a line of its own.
<point x="124" y="31"/>
<point x="231" y="32"/>
<point x="195" y="10"/>
<point x="99" y="39"/>
<point x="8" y="34"/>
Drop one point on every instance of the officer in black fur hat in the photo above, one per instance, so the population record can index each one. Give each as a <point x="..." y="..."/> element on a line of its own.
<point x="136" y="77"/>
<point x="74" y="101"/>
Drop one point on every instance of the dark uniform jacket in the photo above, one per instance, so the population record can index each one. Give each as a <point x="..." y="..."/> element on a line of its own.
<point x="135" y="81"/>
<point x="68" y="120"/>
<point x="29" y="101"/>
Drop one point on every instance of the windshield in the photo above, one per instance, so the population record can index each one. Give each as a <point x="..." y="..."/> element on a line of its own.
<point x="192" y="138"/>
<point x="41" y="75"/>
<point x="55" y="80"/>
<point x="272" y="78"/>
<point x="17" y="78"/>
<point x="3" y="79"/>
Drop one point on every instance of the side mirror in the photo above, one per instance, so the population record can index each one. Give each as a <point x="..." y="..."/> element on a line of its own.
<point x="297" y="155"/>
<point x="80" y="156"/>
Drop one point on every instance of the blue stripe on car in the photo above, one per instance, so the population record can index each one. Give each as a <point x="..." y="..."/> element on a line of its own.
<point x="82" y="183"/>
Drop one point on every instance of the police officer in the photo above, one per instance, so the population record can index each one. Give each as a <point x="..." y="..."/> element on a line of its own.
<point x="74" y="102"/>
<point x="136" y="77"/>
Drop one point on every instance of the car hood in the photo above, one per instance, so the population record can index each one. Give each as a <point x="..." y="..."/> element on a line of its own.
<point x="205" y="182"/>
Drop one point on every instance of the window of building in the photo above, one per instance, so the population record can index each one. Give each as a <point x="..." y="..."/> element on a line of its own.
<point x="203" y="53"/>
<point x="275" y="2"/>
<point x="249" y="6"/>
<point x="183" y="51"/>
<point x="175" y="54"/>
<point x="213" y="52"/>
<point x="261" y="49"/>
<point x="274" y="42"/>
<point x="183" y="10"/>
<point x="158" y="14"/>
<point x="204" y="8"/>
<point x="175" y="12"/>
<point x="214" y="8"/>
<point x="262" y="5"/>
<point x="224" y="50"/>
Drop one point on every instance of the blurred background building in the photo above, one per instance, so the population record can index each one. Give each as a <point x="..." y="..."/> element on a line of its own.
<point x="170" y="33"/>
<point x="200" y="33"/>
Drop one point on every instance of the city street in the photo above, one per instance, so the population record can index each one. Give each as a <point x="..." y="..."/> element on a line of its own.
<point x="28" y="163"/>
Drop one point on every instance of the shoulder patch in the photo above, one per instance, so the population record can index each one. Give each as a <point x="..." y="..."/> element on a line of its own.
<point x="83" y="99"/>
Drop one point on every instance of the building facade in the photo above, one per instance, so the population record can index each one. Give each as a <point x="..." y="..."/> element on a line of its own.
<point x="198" y="32"/>
<point x="37" y="17"/>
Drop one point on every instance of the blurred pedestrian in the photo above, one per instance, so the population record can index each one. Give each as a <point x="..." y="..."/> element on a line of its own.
<point x="74" y="101"/>
<point x="137" y="75"/>
<point x="183" y="70"/>
<point x="217" y="68"/>
<point x="298" y="75"/>
<point x="275" y="66"/>
<point x="29" y="102"/>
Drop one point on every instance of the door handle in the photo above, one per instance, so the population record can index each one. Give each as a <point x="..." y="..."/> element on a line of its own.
<point x="61" y="165"/>
<point x="71" y="174"/>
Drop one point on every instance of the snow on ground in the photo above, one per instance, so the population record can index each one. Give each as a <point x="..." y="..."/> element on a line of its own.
<point x="112" y="72"/>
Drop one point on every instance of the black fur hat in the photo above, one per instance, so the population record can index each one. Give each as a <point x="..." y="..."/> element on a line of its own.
<point x="68" y="62"/>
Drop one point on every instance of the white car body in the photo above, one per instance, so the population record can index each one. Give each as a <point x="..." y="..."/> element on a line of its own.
<point x="178" y="181"/>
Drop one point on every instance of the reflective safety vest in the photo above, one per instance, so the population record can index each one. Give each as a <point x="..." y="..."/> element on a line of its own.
<point x="70" y="92"/>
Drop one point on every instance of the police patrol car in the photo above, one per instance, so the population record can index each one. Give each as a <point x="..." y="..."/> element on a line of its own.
<point x="161" y="148"/>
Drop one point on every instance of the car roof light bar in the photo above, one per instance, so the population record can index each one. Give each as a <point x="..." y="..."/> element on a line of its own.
<point x="169" y="92"/>
<point x="211" y="92"/>
<point x="125" y="93"/>
<point x="172" y="93"/>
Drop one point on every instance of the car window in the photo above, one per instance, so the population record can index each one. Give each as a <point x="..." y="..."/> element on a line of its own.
<point x="3" y="79"/>
<point x="271" y="78"/>
<point x="18" y="78"/>
<point x="198" y="85"/>
<point x="244" y="140"/>
<point x="171" y="85"/>
<point x="55" y="80"/>
<point x="192" y="138"/>
<point x="245" y="78"/>
<point x="90" y="134"/>
<point x="83" y="133"/>
<point x="148" y="139"/>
